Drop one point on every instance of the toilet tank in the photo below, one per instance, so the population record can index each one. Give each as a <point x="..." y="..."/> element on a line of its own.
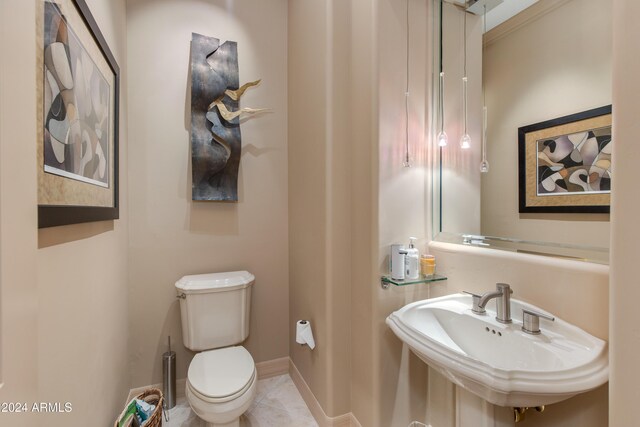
<point x="214" y="309"/>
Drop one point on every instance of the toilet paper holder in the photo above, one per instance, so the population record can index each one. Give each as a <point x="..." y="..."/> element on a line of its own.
<point x="304" y="333"/>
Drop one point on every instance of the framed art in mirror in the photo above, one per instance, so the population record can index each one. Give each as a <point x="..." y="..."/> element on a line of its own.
<point x="78" y="90"/>
<point x="564" y="164"/>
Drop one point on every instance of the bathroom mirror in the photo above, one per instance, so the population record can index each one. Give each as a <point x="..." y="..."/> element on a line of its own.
<point x="539" y="60"/>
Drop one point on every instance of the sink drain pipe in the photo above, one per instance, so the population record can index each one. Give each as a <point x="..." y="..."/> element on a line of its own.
<point x="519" y="413"/>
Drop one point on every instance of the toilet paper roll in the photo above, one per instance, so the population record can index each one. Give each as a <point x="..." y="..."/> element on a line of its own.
<point x="304" y="335"/>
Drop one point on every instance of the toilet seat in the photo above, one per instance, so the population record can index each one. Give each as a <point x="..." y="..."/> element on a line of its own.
<point x="221" y="375"/>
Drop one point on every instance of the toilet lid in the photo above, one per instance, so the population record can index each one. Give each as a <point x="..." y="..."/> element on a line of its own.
<point x="222" y="372"/>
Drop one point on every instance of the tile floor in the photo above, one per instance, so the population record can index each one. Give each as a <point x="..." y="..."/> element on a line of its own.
<point x="277" y="404"/>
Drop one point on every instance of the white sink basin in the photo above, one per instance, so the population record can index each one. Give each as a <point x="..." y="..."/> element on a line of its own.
<point x="499" y="362"/>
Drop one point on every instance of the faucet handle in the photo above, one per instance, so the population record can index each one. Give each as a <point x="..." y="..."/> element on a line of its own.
<point x="504" y="287"/>
<point x="476" y="303"/>
<point x="531" y="321"/>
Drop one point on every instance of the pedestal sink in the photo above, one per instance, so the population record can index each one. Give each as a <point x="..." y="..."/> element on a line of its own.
<point x="499" y="362"/>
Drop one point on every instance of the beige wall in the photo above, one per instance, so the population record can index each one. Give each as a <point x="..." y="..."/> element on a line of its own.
<point x="555" y="65"/>
<point x="625" y="232"/>
<point x="18" y="214"/>
<point x="82" y="277"/>
<point x="357" y="171"/>
<point x="399" y="378"/>
<point x="320" y="196"/>
<point x="364" y="197"/>
<point x="63" y="334"/>
<point x="172" y="236"/>
<point x="386" y="199"/>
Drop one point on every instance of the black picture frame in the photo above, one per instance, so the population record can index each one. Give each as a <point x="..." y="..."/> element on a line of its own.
<point x="523" y="166"/>
<point x="57" y="215"/>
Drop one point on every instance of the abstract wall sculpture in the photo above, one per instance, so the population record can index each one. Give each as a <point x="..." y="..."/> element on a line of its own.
<point x="565" y="164"/>
<point x="215" y="118"/>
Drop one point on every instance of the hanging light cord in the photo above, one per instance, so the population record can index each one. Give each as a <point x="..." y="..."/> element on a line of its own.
<point x="441" y="80"/>
<point x="465" y="44"/>
<point x="407" y="162"/>
<point x="484" y="164"/>
<point x="441" y="101"/>
<point x="464" y="79"/>
<point x="484" y="27"/>
<point x="442" y="136"/>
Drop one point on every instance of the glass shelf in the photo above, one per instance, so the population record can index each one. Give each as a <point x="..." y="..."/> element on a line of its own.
<point x="386" y="280"/>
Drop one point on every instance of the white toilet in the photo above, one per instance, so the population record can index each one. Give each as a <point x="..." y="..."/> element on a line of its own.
<point x="221" y="382"/>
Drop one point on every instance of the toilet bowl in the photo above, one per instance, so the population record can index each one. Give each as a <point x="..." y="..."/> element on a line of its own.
<point x="221" y="385"/>
<point x="222" y="377"/>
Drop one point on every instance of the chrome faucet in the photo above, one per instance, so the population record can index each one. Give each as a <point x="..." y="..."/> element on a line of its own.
<point x="502" y="294"/>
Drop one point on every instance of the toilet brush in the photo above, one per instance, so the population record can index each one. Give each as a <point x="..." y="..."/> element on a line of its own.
<point x="169" y="377"/>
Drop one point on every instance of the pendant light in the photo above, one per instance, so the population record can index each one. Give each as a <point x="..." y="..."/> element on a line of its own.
<point x="407" y="160"/>
<point x="442" y="137"/>
<point x="484" y="164"/>
<point x="465" y="140"/>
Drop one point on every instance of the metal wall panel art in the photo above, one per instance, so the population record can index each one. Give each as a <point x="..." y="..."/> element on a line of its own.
<point x="215" y="118"/>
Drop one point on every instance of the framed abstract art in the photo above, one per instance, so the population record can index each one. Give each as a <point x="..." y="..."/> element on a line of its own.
<point x="565" y="164"/>
<point x="78" y="89"/>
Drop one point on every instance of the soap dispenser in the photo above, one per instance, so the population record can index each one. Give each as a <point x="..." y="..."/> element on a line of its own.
<point x="398" y="262"/>
<point x="412" y="260"/>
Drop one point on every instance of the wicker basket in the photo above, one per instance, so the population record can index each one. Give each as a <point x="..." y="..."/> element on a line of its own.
<point x="152" y="396"/>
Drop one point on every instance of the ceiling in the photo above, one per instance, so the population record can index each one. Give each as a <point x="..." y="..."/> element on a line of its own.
<point x="502" y="12"/>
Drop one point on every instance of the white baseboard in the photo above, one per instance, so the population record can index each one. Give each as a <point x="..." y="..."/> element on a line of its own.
<point x="323" y="420"/>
